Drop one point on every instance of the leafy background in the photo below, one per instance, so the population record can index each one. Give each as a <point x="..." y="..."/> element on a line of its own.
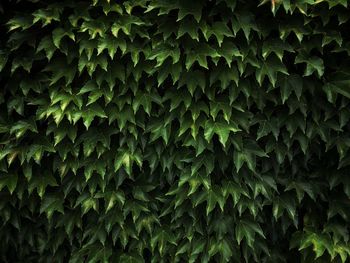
<point x="174" y="131"/>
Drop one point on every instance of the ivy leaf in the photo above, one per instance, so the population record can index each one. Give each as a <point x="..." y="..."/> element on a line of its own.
<point x="225" y="108"/>
<point x="8" y="180"/>
<point x="206" y="161"/>
<point x="244" y="21"/>
<point x="285" y="202"/>
<point x="247" y="230"/>
<point x="319" y="242"/>
<point x="230" y="188"/>
<point x="229" y="51"/>
<point x="59" y="33"/>
<point x="193" y="8"/>
<point x="188" y="27"/>
<point x="161" y="238"/>
<point x="22" y="126"/>
<point x="222" y="129"/>
<point x="225" y="76"/>
<point x="50" y="204"/>
<point x="338" y="83"/>
<point x="91" y="112"/>
<point x="162" y="52"/>
<point x="61" y="69"/>
<point x="289" y="83"/>
<point x="123" y="159"/>
<point x="214" y="197"/>
<point x="145" y="100"/>
<point x="221" y="30"/>
<point x="313" y="64"/>
<point x="38" y="149"/>
<point x="48" y="46"/>
<point x="270" y="67"/>
<point x="192" y="80"/>
<point x="200" y="53"/>
<point x="269" y="126"/>
<point x="131" y="259"/>
<point x="276" y="46"/>
<point x="114" y="197"/>
<point x="3" y="59"/>
<point x="111" y="44"/>
<point x="40" y="182"/>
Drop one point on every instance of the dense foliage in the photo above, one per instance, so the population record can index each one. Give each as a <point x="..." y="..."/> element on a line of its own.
<point x="174" y="131"/>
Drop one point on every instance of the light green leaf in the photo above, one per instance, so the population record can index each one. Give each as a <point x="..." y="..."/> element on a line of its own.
<point x="222" y="129"/>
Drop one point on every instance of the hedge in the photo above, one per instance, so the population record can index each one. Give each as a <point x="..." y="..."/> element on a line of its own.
<point x="174" y="131"/>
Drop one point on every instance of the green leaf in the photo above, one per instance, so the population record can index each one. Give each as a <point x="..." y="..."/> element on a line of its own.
<point x="206" y="161"/>
<point x="114" y="197"/>
<point x="338" y="83"/>
<point x="230" y="188"/>
<point x="145" y="100"/>
<point x="244" y="21"/>
<point x="199" y="53"/>
<point x="188" y="27"/>
<point x="222" y="129"/>
<point x="229" y="52"/>
<point x="313" y="64"/>
<point x="8" y="180"/>
<point x="193" y="8"/>
<point x="46" y="44"/>
<point x="22" y="126"/>
<point x="192" y="80"/>
<point x="131" y="259"/>
<point x="247" y="230"/>
<point x="289" y="83"/>
<point x="50" y="204"/>
<point x="91" y="112"/>
<point x="269" y="126"/>
<point x="225" y="108"/>
<point x="214" y="196"/>
<point x="111" y="44"/>
<point x="162" y="52"/>
<point x="40" y="182"/>
<point x="161" y="238"/>
<point x="59" y="33"/>
<point x="276" y="46"/>
<point x="125" y="160"/>
<point x="270" y="67"/>
<point x="3" y="59"/>
<point x="220" y="30"/>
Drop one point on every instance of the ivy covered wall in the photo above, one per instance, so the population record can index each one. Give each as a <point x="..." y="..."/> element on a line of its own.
<point x="174" y="131"/>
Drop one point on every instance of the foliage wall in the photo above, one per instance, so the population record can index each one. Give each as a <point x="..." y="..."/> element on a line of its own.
<point x="174" y="131"/>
